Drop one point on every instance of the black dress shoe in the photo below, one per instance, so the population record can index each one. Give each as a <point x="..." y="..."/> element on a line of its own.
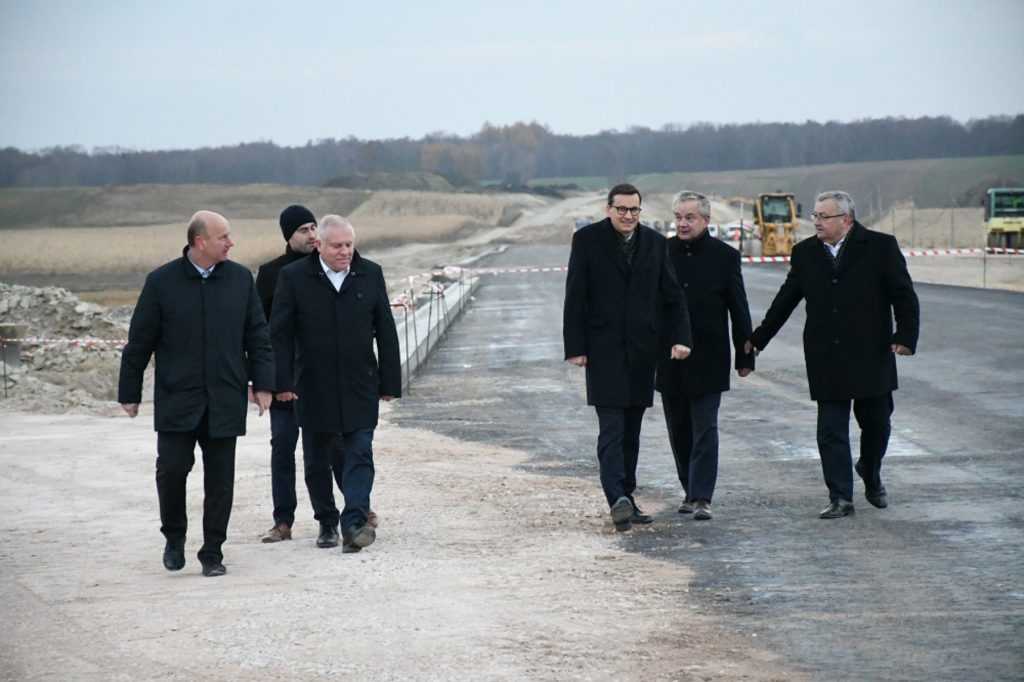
<point x="174" y="556"/>
<point x="622" y="512"/>
<point x="357" y="537"/>
<point x="639" y="517"/>
<point x="837" y="510"/>
<point x="328" y="536"/>
<point x="877" y="497"/>
<point x="214" y="569"/>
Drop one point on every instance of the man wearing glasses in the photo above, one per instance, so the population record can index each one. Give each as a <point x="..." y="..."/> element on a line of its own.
<point x="855" y="281"/>
<point x="619" y="290"/>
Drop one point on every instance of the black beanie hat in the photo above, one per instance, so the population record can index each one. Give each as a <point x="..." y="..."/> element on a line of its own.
<point x="294" y="217"/>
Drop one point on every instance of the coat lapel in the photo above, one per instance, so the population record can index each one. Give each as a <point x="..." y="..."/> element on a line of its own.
<point x="610" y="243"/>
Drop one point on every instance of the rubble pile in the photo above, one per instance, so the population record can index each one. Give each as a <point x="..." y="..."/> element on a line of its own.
<point x="72" y="352"/>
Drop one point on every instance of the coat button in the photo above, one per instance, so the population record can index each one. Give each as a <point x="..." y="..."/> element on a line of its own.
<point x="835" y="281"/>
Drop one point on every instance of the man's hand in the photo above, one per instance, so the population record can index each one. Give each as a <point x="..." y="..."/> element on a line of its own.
<point x="579" y="361"/>
<point x="744" y="371"/>
<point x="901" y="350"/>
<point x="263" y="399"/>
<point x="680" y="352"/>
<point x="131" y="408"/>
<point x="747" y="347"/>
<point x="286" y="397"/>
<point x="387" y="398"/>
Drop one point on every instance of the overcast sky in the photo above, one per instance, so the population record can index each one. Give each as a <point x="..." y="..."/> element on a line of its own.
<point x="182" y="74"/>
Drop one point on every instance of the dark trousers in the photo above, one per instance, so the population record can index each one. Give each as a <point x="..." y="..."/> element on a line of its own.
<point x="872" y="416"/>
<point x="618" y="448"/>
<point x="175" y="459"/>
<point x="284" y="436"/>
<point x="693" y="435"/>
<point x="345" y="458"/>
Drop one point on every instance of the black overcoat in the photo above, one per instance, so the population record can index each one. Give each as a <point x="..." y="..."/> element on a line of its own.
<point x="613" y="312"/>
<point x="709" y="271"/>
<point x="324" y="343"/>
<point x="848" y="334"/>
<point x="209" y="337"/>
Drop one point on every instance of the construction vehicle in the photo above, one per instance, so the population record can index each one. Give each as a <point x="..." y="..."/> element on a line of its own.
<point x="775" y="215"/>
<point x="1004" y="217"/>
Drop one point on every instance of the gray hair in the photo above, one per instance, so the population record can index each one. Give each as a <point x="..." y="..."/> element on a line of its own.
<point x="844" y="202"/>
<point x="687" y="195"/>
<point x="332" y="220"/>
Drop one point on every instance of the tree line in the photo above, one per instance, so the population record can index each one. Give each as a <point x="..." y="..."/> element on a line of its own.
<point x="521" y="152"/>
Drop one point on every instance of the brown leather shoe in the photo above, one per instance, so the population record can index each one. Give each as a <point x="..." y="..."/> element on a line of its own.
<point x="371" y="519"/>
<point x="279" y="532"/>
<point x="687" y="506"/>
<point x="701" y="510"/>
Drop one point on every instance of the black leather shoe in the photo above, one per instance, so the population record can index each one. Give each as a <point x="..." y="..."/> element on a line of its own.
<point x="639" y="517"/>
<point x="174" y="556"/>
<point x="328" y="536"/>
<point x="212" y="570"/>
<point x="837" y="510"/>
<point x="622" y="512"/>
<point x="877" y="497"/>
<point x="358" y="537"/>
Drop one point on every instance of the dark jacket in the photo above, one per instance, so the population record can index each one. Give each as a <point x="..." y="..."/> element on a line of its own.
<point x="324" y="343"/>
<point x="266" y="282"/>
<point x="849" y="329"/>
<point x="209" y="337"/>
<point x="613" y="312"/>
<point x="708" y="269"/>
<point x="266" y="276"/>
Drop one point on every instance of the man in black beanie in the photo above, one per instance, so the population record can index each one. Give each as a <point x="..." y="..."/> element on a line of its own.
<point x="298" y="225"/>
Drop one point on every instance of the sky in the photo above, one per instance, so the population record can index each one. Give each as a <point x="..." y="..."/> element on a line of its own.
<point x="163" y="74"/>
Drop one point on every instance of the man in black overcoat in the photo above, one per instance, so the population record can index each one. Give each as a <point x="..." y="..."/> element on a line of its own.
<point x="691" y="390"/>
<point x="200" y="315"/>
<point x="619" y="290"/>
<point x="854" y="282"/>
<point x="329" y="310"/>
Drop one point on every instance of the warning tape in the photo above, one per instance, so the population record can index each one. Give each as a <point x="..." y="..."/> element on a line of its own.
<point x="407" y="298"/>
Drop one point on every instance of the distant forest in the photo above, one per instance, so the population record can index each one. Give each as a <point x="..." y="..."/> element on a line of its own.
<point x="522" y="152"/>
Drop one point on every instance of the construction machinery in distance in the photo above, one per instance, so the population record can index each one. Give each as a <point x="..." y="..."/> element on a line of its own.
<point x="1004" y="217"/>
<point x="775" y="215"/>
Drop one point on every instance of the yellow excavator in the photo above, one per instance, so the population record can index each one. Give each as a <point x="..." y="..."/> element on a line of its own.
<point x="775" y="215"/>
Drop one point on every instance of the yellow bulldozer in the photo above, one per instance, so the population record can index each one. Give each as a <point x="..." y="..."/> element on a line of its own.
<point x="775" y="215"/>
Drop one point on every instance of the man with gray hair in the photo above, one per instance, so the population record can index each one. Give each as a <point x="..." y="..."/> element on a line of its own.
<point x="691" y="389"/>
<point x="855" y="282"/>
<point x="329" y="309"/>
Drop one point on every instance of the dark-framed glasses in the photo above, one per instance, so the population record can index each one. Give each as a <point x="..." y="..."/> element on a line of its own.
<point x="632" y="210"/>
<point x="819" y="216"/>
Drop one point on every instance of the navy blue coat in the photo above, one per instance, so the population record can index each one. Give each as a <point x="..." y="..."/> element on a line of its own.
<point x="324" y="344"/>
<point x="848" y="334"/>
<point x="209" y="337"/>
<point x="613" y="313"/>
<point x="709" y="271"/>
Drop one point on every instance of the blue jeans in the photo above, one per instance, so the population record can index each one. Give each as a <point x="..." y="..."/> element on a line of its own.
<point x="692" y="422"/>
<point x="346" y="458"/>
<point x="618" y="448"/>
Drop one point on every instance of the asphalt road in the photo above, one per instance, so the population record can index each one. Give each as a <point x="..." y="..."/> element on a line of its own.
<point x="930" y="588"/>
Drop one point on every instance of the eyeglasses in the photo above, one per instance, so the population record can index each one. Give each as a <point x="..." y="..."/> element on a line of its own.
<point x="632" y="210"/>
<point x="818" y="216"/>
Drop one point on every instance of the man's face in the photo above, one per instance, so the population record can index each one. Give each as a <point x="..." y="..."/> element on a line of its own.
<point x="832" y="228"/>
<point x="304" y="239"/>
<point x="624" y="224"/>
<point x="213" y="247"/>
<point x="337" y="247"/>
<point x="690" y="224"/>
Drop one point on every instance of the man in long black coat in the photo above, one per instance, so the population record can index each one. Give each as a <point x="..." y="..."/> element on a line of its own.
<point x="329" y="309"/>
<point x="854" y="282"/>
<point x="200" y="315"/>
<point x="619" y="289"/>
<point x="691" y="390"/>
